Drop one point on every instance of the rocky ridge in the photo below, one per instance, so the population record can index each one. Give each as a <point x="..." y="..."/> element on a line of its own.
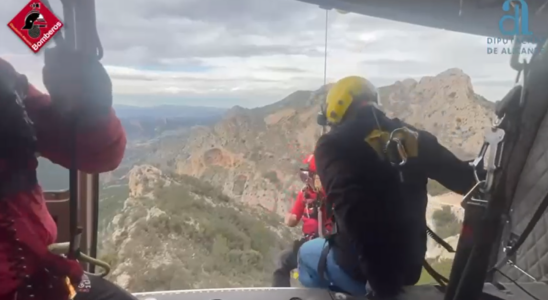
<point x="254" y="154"/>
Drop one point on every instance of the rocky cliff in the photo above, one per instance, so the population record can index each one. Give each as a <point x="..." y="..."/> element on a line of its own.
<point x="254" y="154"/>
<point x="181" y="233"/>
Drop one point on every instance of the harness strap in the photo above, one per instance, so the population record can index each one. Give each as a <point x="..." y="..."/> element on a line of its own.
<point x="440" y="279"/>
<point x="439" y="240"/>
<point x="322" y="264"/>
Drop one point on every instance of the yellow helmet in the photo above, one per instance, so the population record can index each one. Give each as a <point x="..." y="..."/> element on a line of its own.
<point x="344" y="93"/>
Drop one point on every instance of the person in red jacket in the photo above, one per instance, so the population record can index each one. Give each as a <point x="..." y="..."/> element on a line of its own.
<point x="307" y="207"/>
<point x="41" y="125"/>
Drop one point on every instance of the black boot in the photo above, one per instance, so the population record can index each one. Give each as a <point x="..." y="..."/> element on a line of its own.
<point x="287" y="261"/>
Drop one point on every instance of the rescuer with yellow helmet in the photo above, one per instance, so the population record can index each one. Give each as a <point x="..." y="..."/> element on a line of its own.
<point x="345" y="96"/>
<point x="374" y="170"/>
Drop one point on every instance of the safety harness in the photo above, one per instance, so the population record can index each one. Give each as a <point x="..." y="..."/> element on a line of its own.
<point x="318" y="206"/>
<point x="396" y="147"/>
<point x="314" y="205"/>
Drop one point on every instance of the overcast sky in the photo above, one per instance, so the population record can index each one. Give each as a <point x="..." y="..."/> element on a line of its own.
<point x="254" y="52"/>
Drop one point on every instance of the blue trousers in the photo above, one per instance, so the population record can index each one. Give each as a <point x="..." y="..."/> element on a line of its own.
<point x="337" y="279"/>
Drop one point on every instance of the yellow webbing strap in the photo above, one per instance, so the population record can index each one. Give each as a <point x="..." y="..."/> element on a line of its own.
<point x="378" y="140"/>
<point x="72" y="291"/>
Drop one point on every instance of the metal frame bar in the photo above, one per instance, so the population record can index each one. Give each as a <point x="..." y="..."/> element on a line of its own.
<point x="59" y="207"/>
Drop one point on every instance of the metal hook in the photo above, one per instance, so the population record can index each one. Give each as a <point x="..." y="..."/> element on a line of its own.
<point x="497" y="122"/>
<point x="401" y="151"/>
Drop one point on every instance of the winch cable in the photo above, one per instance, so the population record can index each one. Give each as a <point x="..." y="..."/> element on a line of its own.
<point x="321" y="229"/>
<point x="324" y="129"/>
<point x="325" y="48"/>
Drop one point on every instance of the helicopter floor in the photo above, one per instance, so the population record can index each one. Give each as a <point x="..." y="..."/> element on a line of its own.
<point x="422" y="292"/>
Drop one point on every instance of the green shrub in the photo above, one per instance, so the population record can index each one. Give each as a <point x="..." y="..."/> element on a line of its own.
<point x="446" y="223"/>
<point x="214" y="241"/>
<point x="271" y="176"/>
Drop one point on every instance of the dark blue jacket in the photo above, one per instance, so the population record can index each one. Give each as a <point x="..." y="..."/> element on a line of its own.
<point x="381" y="220"/>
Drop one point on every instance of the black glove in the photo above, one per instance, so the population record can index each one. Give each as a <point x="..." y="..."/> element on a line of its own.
<point x="77" y="83"/>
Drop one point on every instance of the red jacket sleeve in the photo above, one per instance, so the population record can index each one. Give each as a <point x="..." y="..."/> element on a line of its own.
<point x="298" y="206"/>
<point x="100" y="148"/>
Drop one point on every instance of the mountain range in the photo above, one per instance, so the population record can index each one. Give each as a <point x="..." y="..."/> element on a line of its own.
<point x="253" y="154"/>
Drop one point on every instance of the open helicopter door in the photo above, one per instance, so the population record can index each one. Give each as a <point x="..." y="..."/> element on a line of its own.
<point x="76" y="210"/>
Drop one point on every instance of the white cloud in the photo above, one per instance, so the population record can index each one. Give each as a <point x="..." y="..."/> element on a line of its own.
<point x="253" y="52"/>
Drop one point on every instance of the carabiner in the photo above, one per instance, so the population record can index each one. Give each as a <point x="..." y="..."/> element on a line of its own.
<point x="401" y="151"/>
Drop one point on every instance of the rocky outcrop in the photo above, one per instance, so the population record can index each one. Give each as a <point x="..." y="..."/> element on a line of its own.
<point x="445" y="105"/>
<point x="181" y="233"/>
<point x="144" y="179"/>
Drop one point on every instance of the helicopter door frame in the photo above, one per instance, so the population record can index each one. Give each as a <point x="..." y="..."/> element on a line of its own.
<point x="58" y="205"/>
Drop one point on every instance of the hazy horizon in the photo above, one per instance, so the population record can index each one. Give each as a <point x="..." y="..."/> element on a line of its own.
<point x="253" y="53"/>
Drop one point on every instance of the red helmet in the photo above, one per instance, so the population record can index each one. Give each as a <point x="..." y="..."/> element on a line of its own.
<point x="306" y="174"/>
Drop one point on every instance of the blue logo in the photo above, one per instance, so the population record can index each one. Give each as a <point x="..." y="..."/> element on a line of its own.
<point x="522" y="14"/>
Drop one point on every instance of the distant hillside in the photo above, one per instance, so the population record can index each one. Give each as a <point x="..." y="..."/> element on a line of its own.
<point x="148" y="122"/>
<point x="166" y="111"/>
<point x="144" y="126"/>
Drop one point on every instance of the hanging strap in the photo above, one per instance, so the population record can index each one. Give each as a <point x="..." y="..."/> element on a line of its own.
<point x="439" y="240"/>
<point x="322" y="264"/>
